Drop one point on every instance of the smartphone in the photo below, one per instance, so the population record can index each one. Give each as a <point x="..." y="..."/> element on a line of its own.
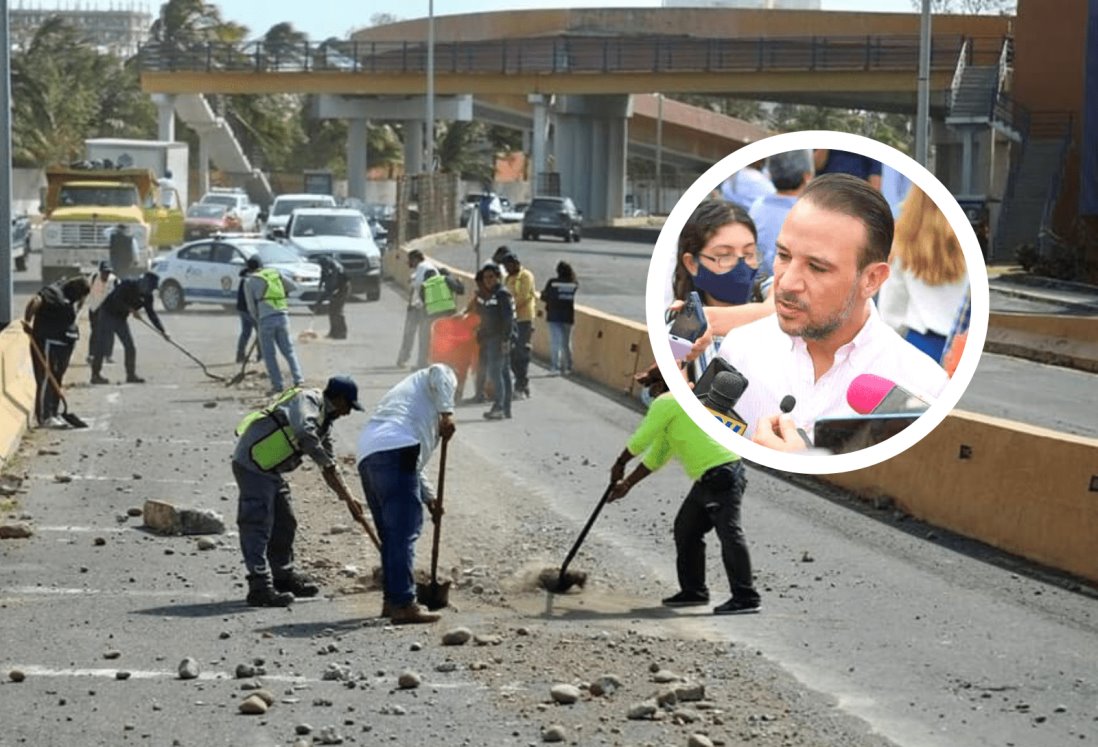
<point x="687" y="326"/>
<point x="842" y="435"/>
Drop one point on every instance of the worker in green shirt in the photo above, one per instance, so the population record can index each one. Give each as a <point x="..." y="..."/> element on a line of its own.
<point x="713" y="502"/>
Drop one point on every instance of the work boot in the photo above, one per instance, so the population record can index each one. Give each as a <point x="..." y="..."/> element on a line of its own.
<point x="297" y="584"/>
<point x="97" y="379"/>
<point x="386" y="609"/>
<point x="261" y="594"/>
<point x="134" y="379"/>
<point x="412" y="614"/>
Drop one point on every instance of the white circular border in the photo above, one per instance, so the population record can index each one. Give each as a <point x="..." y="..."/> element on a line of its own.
<point x="663" y="263"/>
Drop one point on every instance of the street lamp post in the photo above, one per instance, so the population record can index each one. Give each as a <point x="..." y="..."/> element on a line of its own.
<point x="922" y="104"/>
<point x="430" y="85"/>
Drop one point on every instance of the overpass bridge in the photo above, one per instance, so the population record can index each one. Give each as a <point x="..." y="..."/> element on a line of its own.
<point x="575" y="73"/>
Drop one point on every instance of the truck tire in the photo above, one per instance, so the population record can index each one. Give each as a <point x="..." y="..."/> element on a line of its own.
<point x="171" y="296"/>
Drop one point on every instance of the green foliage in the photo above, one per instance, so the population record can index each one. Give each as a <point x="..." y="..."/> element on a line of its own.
<point x="463" y="148"/>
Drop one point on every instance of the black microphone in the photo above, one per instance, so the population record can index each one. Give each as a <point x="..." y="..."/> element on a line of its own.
<point x="721" y="399"/>
<point x="786" y="406"/>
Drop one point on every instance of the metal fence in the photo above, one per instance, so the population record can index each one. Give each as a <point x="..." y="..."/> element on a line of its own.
<point x="573" y="54"/>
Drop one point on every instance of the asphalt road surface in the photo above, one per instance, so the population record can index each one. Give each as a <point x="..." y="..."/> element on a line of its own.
<point x="924" y="638"/>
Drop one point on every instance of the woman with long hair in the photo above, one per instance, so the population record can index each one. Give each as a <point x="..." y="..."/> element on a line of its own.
<point x="559" y="296"/>
<point x="929" y="277"/>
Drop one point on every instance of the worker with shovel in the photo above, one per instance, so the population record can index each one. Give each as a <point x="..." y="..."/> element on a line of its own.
<point x="713" y="502"/>
<point x="393" y="450"/>
<point x="130" y="296"/>
<point x="50" y="320"/>
<point x="272" y="442"/>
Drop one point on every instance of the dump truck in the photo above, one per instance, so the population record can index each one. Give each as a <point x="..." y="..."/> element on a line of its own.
<point x="83" y="206"/>
<point x="159" y="156"/>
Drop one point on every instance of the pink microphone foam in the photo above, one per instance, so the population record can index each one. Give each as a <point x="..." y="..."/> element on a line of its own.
<point x="866" y="392"/>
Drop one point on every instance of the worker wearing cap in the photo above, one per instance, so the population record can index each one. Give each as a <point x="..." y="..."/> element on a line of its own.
<point x="265" y="293"/>
<point x="393" y="451"/>
<point x="101" y="284"/>
<point x="520" y="282"/>
<point x="272" y="442"/>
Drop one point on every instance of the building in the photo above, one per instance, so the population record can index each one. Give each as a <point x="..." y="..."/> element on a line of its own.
<point x="120" y="28"/>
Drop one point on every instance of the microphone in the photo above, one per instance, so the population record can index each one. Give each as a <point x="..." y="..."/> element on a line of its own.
<point x="869" y="394"/>
<point x="723" y="394"/>
<point x="786" y="406"/>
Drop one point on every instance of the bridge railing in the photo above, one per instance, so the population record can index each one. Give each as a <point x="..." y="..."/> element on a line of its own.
<point x="568" y="54"/>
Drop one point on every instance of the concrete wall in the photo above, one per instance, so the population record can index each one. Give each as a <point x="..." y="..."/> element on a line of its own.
<point x="16" y="389"/>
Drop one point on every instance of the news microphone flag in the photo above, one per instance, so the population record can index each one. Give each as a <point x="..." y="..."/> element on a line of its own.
<point x="870" y="394"/>
<point x="726" y="390"/>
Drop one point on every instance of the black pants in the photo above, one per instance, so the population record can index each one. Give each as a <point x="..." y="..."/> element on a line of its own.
<point x="57" y="354"/>
<point x="337" y="322"/>
<point x="520" y="355"/>
<point x="107" y="326"/>
<point x="92" y="339"/>
<point x="714" y="503"/>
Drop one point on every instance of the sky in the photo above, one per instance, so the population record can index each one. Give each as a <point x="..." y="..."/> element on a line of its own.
<point x="321" y="19"/>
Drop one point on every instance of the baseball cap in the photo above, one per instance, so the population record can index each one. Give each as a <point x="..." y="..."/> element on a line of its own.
<point x="345" y="387"/>
<point x="105" y="266"/>
<point x="253" y="263"/>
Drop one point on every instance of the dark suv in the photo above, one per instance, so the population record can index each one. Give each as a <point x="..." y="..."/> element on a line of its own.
<point x="556" y="216"/>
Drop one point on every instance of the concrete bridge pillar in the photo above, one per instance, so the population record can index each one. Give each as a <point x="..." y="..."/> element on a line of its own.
<point x="590" y="141"/>
<point x="165" y="116"/>
<point x="356" y="158"/>
<point x="539" y="138"/>
<point x="413" y="146"/>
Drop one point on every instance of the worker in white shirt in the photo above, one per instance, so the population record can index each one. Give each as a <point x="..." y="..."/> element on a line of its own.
<point x="102" y="283"/>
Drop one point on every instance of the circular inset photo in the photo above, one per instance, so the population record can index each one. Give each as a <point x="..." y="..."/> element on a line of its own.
<point x="817" y="302"/>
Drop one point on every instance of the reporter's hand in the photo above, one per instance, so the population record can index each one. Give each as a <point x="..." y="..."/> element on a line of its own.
<point x="778" y="432"/>
<point x="700" y="345"/>
<point x="621" y="487"/>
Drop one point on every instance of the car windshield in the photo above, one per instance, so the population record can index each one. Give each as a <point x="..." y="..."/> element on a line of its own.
<point x="285" y="207"/>
<point x="272" y="253"/>
<point x="353" y="226"/>
<point x="205" y="210"/>
<point x="121" y="196"/>
<point x="226" y="200"/>
<point x="547" y="205"/>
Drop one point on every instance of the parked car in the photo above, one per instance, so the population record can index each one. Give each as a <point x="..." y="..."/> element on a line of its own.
<point x="553" y="216"/>
<point x="472" y="202"/>
<point x="238" y="203"/>
<point x="208" y="218"/>
<point x="208" y="271"/>
<point x="284" y="205"/>
<point x="514" y="213"/>
<point x="342" y="233"/>
<point x="20" y="241"/>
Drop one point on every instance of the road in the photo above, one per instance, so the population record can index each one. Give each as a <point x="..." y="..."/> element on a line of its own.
<point x="612" y="279"/>
<point x="926" y="639"/>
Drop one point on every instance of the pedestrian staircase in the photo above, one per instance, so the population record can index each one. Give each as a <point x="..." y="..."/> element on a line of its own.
<point x="1024" y="205"/>
<point x="974" y="95"/>
<point x="223" y="147"/>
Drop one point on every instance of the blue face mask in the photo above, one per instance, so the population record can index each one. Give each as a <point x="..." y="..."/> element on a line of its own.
<point x="732" y="287"/>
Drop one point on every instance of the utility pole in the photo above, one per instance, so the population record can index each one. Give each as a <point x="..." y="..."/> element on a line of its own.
<point x="659" y="155"/>
<point x="430" y="86"/>
<point x="6" y="288"/>
<point x="922" y="106"/>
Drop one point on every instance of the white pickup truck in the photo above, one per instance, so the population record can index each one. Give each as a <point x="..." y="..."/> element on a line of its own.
<point x="238" y="203"/>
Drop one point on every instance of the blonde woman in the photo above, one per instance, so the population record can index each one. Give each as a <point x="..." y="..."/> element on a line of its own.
<point x="928" y="278"/>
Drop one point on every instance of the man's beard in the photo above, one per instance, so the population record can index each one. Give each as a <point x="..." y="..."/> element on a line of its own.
<point x="817" y="331"/>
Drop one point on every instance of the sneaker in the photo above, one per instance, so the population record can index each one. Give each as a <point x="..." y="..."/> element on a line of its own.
<point x="267" y="597"/>
<point x="412" y="614"/>
<point x="686" y="599"/>
<point x="134" y="379"/>
<point x="554" y="372"/>
<point x="297" y="584"/>
<point x="96" y="379"/>
<point x="518" y="395"/>
<point x="55" y="422"/>
<point x="737" y="607"/>
<point x="494" y="414"/>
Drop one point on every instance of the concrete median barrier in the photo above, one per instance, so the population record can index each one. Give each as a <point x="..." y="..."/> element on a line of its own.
<point x="1070" y="341"/>
<point x="16" y="389"/>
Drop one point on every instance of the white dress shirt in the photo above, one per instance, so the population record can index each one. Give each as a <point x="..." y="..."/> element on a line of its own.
<point x="776" y="364"/>
<point x="415" y="298"/>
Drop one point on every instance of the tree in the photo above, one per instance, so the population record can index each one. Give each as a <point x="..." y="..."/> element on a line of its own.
<point x="463" y="149"/>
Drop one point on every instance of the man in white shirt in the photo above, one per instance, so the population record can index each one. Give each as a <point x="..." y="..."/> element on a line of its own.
<point x="393" y="450"/>
<point x="101" y="283"/>
<point x="831" y="259"/>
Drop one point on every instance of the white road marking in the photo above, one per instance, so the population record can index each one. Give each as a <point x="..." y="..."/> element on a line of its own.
<point x="70" y="591"/>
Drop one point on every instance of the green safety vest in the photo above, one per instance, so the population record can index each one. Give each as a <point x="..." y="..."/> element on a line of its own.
<point x="438" y="297"/>
<point x="275" y="294"/>
<point x="278" y="446"/>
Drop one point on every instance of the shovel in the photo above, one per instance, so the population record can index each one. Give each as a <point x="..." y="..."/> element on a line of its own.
<point x="356" y="513"/>
<point x="558" y="583"/>
<point x="434" y="595"/>
<point x="67" y="416"/>
<point x="182" y="350"/>
<point x="239" y="377"/>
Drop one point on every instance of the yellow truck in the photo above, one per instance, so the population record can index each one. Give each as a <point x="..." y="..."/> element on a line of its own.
<point x="83" y="207"/>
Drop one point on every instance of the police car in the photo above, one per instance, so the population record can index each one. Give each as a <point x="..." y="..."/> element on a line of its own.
<point x="208" y="271"/>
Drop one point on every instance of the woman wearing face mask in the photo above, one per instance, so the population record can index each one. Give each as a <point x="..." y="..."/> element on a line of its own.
<point x="719" y="259"/>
